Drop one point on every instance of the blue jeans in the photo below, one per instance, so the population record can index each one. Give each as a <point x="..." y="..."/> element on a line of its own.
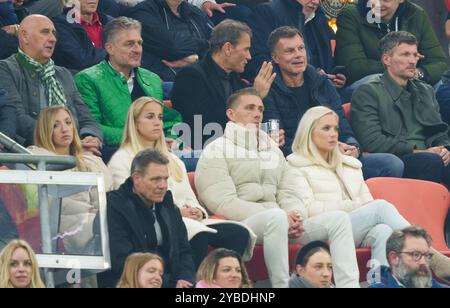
<point x="427" y="167"/>
<point x="381" y="165"/>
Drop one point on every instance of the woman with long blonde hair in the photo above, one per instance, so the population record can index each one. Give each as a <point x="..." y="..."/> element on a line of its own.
<point x="19" y="267"/>
<point x="143" y="130"/>
<point x="323" y="180"/>
<point x="56" y="134"/>
<point x="142" y="270"/>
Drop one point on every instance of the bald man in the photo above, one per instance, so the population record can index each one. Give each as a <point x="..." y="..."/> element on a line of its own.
<point x="34" y="83"/>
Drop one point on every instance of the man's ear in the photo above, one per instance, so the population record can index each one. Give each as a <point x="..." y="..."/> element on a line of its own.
<point x="393" y="258"/>
<point x="109" y="48"/>
<point x="230" y="114"/>
<point x="386" y="60"/>
<point x="227" y="48"/>
<point x="275" y="58"/>
<point x="136" y="178"/>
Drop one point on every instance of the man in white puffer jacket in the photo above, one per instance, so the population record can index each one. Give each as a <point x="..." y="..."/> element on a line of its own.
<point x="238" y="176"/>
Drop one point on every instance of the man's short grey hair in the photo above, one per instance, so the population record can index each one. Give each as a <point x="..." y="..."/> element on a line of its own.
<point x="117" y="25"/>
<point x="228" y="31"/>
<point x="394" y="39"/>
<point x="396" y="243"/>
<point x="146" y="157"/>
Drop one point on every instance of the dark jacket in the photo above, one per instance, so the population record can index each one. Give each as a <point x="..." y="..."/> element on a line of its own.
<point x="277" y="13"/>
<point x="7" y="116"/>
<point x="8" y="229"/>
<point x="162" y="41"/>
<point x="25" y="91"/>
<point x="8" y="42"/>
<point x="198" y="90"/>
<point x="281" y="103"/>
<point x="389" y="282"/>
<point x="377" y="116"/>
<point x="7" y="13"/>
<point x="357" y="41"/>
<point x="127" y="236"/>
<point x="74" y="49"/>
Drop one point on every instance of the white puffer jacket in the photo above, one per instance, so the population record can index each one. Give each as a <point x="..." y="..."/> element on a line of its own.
<point x="238" y="175"/>
<point x="320" y="190"/>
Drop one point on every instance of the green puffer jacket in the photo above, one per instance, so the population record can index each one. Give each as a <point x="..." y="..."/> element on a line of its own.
<point x="357" y="42"/>
<point x="105" y="92"/>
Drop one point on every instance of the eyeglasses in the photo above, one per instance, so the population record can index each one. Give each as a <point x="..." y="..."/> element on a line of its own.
<point x="417" y="255"/>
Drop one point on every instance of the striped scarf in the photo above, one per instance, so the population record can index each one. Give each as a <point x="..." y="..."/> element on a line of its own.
<point x="46" y="72"/>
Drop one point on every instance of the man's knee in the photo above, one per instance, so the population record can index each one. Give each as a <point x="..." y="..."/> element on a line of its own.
<point x="386" y="165"/>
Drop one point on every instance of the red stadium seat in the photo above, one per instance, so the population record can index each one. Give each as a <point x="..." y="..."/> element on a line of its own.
<point x="347" y="108"/>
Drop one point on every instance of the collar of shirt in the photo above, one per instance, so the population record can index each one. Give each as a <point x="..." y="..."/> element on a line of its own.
<point x="95" y="20"/>
<point x="309" y="18"/>
<point x="130" y="81"/>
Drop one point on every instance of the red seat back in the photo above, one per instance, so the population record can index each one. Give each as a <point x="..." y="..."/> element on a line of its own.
<point x="347" y="107"/>
<point x="422" y="203"/>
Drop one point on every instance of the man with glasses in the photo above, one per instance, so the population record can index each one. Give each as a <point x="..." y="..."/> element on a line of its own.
<point x="409" y="255"/>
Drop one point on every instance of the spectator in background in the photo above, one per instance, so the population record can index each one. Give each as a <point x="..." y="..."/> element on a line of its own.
<point x="306" y="16"/>
<point x="313" y="267"/>
<point x="7" y="116"/>
<point x="80" y="29"/>
<point x="142" y="271"/>
<point x="409" y="255"/>
<point x="360" y="28"/>
<point x="398" y="114"/>
<point x="175" y="35"/>
<point x="34" y="83"/>
<point x="142" y="217"/>
<point x="202" y="90"/>
<point x="239" y="175"/>
<point x="8" y="30"/>
<point x="110" y="87"/>
<point x="143" y="130"/>
<point x="223" y="268"/>
<point x="322" y="180"/>
<point x="298" y="87"/>
<point x="49" y="8"/>
<point x="56" y="134"/>
<point x="18" y="267"/>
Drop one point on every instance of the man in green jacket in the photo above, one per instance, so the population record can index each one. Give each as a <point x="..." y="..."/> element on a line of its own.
<point x="110" y="87"/>
<point x="398" y="114"/>
<point x="360" y="28"/>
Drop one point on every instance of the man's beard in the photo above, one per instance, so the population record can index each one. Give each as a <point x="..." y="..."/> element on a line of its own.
<point x="411" y="279"/>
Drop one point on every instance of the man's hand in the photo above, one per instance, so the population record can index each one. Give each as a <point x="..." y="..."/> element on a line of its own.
<point x="338" y="80"/>
<point x="170" y="143"/>
<point x="264" y="79"/>
<point x="441" y="151"/>
<point x="92" y="145"/>
<point x="282" y="138"/>
<point x="191" y="212"/>
<point x="12" y="29"/>
<point x="445" y="154"/>
<point x="18" y="3"/>
<point x="348" y="150"/>
<point x="183" y="284"/>
<point x="182" y="62"/>
<point x="208" y="7"/>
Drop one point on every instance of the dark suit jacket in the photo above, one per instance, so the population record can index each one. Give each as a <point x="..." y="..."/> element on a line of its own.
<point x="198" y="90"/>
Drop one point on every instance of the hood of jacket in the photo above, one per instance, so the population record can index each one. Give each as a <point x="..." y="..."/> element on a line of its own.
<point x="299" y="161"/>
<point x="247" y="138"/>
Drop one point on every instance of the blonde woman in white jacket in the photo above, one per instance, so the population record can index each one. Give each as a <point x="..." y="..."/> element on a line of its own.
<point x="56" y="134"/>
<point x="323" y="180"/>
<point x="144" y="129"/>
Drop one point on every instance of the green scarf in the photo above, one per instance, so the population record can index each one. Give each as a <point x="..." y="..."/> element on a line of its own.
<point x="46" y="72"/>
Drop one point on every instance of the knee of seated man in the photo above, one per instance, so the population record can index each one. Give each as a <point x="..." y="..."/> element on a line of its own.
<point x="278" y="216"/>
<point x="382" y="232"/>
<point x="339" y="219"/>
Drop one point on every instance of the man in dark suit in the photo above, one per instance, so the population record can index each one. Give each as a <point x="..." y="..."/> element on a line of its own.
<point x="142" y="217"/>
<point x="203" y="88"/>
<point x="7" y="116"/>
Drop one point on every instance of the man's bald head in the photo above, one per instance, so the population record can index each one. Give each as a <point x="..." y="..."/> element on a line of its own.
<point x="37" y="37"/>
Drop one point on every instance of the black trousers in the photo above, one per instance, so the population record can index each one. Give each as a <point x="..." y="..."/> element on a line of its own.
<point x="427" y="167"/>
<point x="229" y="236"/>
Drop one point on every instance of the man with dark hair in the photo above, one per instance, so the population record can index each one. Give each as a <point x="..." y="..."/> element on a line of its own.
<point x="80" y="30"/>
<point x="33" y="82"/>
<point x="201" y="90"/>
<point x="298" y="87"/>
<point x="142" y="217"/>
<point x="409" y="255"/>
<point x="398" y="114"/>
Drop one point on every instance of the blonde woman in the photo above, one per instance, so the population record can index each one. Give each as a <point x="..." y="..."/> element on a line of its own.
<point x="322" y="180"/>
<point x="144" y="129"/>
<point x="223" y="268"/>
<point x="56" y="134"/>
<point x="142" y="271"/>
<point x="18" y="266"/>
